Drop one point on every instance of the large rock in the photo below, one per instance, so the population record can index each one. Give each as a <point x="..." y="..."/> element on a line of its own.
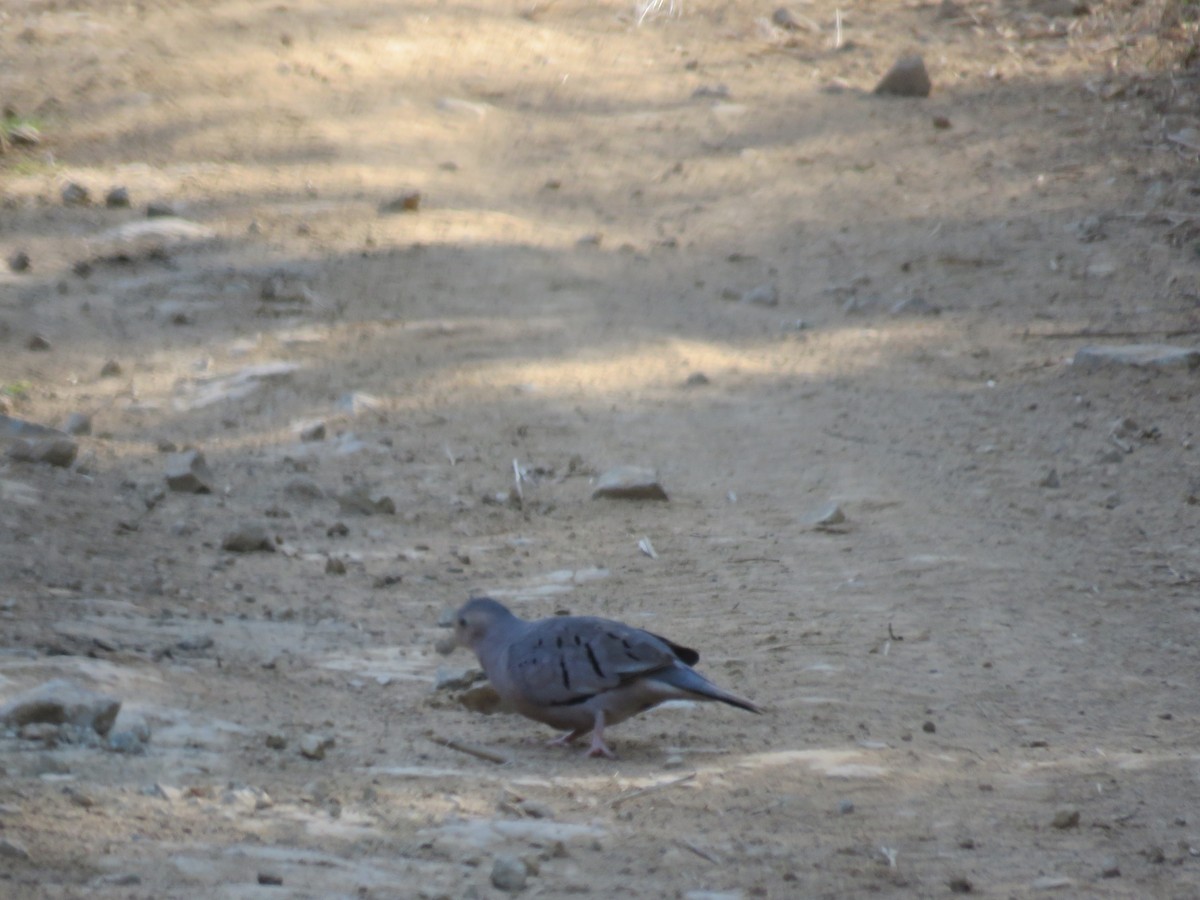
<point x="907" y="78"/>
<point x="188" y="472"/>
<point x="57" y="451"/>
<point x="61" y="701"/>
<point x="630" y="483"/>
<point x="248" y="538"/>
<point x="1147" y="356"/>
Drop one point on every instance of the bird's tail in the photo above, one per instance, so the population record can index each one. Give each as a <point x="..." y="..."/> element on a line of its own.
<point x="700" y="688"/>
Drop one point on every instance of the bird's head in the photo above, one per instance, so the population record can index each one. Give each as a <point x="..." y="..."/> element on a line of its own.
<point x="477" y="618"/>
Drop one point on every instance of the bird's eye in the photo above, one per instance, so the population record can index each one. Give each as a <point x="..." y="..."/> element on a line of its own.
<point x="462" y="623"/>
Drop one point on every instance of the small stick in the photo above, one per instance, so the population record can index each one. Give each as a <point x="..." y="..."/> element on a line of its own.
<point x="700" y="852"/>
<point x="892" y="634"/>
<point x="517" y="481"/>
<point x="652" y="789"/>
<point x="470" y="749"/>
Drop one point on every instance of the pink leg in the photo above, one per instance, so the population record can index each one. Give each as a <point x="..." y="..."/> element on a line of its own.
<point x="599" y="748"/>
<point x="564" y="740"/>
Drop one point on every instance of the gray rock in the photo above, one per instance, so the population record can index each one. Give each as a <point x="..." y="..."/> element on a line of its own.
<point x="335" y="565"/>
<point x="762" y="295"/>
<point x="78" y="424"/>
<point x="59" y="451"/>
<point x="13" y="849"/>
<point x="248" y="537"/>
<point x="25" y="134"/>
<point x="1051" y="480"/>
<point x="357" y="402"/>
<point x="915" y="306"/>
<point x="62" y="702"/>
<point x="630" y="483"/>
<point x="11" y="428"/>
<point x="145" y="237"/>
<point x="792" y="21"/>
<point x="38" y="342"/>
<point x="448" y="679"/>
<point x="314" y="431"/>
<point x="302" y="488"/>
<point x="861" y="306"/>
<point x="188" y="473"/>
<point x="845" y="807"/>
<point x="408" y="202"/>
<point x="674" y="761"/>
<point x="19" y="261"/>
<point x="271" y="879"/>
<point x="1066" y="818"/>
<point x="160" y="210"/>
<point x="313" y="746"/>
<point x="827" y="517"/>
<point x="129" y="743"/>
<point x="697" y="379"/>
<point x="117" y="198"/>
<point x="118" y="879"/>
<point x="1051" y="883"/>
<point x="365" y="502"/>
<point x="907" y="78"/>
<point x="74" y="194"/>
<point x="509" y="873"/>
<point x="1109" y="868"/>
<point x="110" y="369"/>
<point x="1154" y="356"/>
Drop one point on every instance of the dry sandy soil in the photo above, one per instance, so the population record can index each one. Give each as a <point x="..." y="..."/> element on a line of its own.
<point x="1003" y="631"/>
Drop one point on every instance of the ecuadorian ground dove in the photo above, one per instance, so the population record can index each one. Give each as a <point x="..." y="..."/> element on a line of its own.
<point x="581" y="673"/>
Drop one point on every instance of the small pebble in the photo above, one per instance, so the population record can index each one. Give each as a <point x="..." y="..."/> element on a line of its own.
<point x="509" y="873"/>
<point x="110" y="369"/>
<point x="408" y="202"/>
<point x="248" y="537"/>
<point x="1109" y="868"/>
<point x="38" y="342"/>
<point x="929" y="728"/>
<point x="313" y="746"/>
<point x="19" y="261"/>
<point x="845" y="807"/>
<point x="117" y="198"/>
<point x="75" y="195"/>
<point x="273" y="879"/>
<point x="1066" y="818"/>
<point x="907" y="78"/>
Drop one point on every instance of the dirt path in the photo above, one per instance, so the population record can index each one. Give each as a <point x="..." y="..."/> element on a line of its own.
<point x="983" y="680"/>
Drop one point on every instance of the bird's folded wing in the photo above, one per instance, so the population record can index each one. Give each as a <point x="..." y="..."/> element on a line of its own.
<point x="565" y="661"/>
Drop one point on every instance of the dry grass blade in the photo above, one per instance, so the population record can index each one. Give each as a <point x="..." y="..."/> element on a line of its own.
<point x="651" y="789"/>
<point x="470" y="749"/>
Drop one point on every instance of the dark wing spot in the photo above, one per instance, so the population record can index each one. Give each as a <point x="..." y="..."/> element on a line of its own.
<point x="539" y="643"/>
<point x="633" y="656"/>
<point x="562" y="665"/>
<point x="558" y="641"/>
<point x="625" y="644"/>
<point x="595" y="663"/>
<point x="577" y="641"/>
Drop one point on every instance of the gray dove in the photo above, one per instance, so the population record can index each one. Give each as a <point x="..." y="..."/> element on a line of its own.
<point x="581" y="673"/>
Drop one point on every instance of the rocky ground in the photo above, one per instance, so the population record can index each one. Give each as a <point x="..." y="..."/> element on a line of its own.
<point x="318" y="318"/>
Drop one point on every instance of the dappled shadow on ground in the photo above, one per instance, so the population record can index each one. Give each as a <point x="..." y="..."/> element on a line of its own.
<point x="998" y="632"/>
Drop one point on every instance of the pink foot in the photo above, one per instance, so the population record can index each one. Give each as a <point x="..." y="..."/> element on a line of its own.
<point x="565" y="740"/>
<point x="599" y="748"/>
